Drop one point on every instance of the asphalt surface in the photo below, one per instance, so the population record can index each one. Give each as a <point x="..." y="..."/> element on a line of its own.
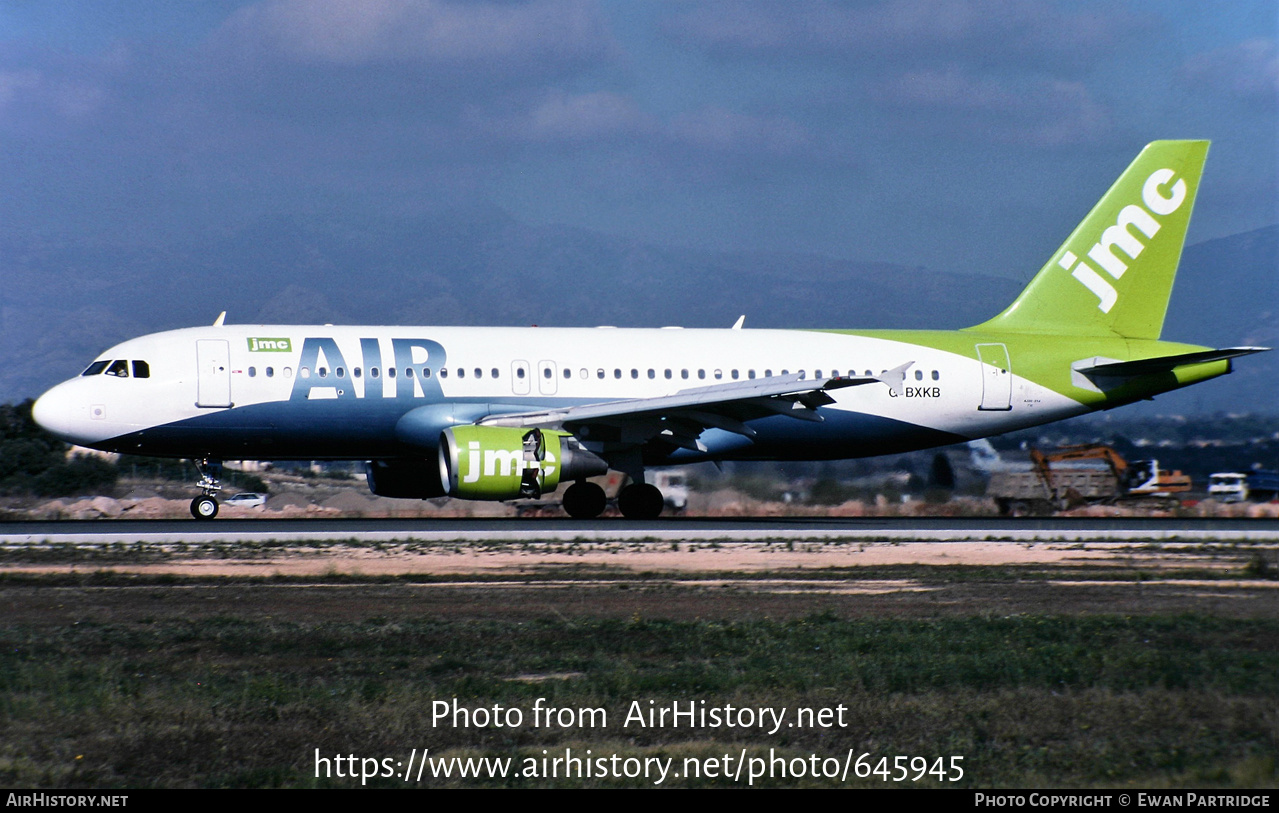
<point x="941" y="529"/>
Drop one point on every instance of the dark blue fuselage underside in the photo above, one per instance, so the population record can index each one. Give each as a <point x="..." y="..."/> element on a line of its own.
<point x="385" y="430"/>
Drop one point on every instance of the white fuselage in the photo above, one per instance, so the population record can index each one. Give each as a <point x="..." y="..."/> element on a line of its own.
<point x="316" y="392"/>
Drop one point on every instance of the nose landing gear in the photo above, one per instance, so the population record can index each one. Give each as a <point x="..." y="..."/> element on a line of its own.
<point x="206" y="505"/>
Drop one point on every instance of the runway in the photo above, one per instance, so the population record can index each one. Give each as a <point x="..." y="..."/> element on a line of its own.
<point x="462" y="531"/>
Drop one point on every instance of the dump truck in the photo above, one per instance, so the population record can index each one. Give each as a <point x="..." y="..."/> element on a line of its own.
<point x="1083" y="475"/>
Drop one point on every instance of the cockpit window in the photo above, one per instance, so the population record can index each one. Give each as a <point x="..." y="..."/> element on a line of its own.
<point x="141" y="369"/>
<point x="119" y="368"/>
<point x="95" y="368"/>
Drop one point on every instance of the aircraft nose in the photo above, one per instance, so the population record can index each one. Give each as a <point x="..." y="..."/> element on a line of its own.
<point x="60" y="414"/>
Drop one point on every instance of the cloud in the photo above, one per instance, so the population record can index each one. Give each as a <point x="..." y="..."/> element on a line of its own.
<point x="561" y="118"/>
<point x="724" y="131"/>
<point x="1035" y="111"/>
<point x="479" y="35"/>
<point x="1247" y="71"/>
<point x="33" y="100"/>
<point x="1027" y="33"/>
<point x="17" y="84"/>
<point x="586" y="116"/>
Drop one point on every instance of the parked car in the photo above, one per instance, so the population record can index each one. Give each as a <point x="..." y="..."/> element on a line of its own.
<point x="248" y="499"/>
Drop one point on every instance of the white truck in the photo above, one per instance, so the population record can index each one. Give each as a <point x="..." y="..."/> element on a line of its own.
<point x="1257" y="485"/>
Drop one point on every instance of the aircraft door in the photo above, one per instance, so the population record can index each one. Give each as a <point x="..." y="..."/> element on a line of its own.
<point x="547" y="377"/>
<point x="996" y="378"/>
<point x="519" y="377"/>
<point x="213" y="362"/>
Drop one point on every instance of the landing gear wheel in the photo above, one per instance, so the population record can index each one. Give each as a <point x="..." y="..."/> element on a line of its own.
<point x="584" y="500"/>
<point x="640" y="501"/>
<point x="204" y="508"/>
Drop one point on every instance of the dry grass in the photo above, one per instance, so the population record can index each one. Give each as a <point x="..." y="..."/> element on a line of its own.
<point x="1138" y="674"/>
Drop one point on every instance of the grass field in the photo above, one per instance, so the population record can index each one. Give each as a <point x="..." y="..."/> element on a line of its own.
<point x="1111" y="674"/>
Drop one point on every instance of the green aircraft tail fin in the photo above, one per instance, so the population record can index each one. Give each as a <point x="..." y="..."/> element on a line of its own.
<point x="1114" y="274"/>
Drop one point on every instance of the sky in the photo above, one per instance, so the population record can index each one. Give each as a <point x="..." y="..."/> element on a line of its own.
<point x="961" y="135"/>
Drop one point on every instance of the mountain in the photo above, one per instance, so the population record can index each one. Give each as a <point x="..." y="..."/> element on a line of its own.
<point x="1227" y="295"/>
<point x="66" y="302"/>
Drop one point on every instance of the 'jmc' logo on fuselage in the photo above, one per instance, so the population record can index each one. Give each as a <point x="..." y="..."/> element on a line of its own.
<point x="259" y="344"/>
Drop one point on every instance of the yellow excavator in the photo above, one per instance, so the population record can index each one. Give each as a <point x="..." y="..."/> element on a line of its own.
<point x="1050" y="485"/>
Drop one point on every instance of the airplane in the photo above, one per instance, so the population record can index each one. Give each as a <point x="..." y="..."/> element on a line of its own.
<point x="508" y="413"/>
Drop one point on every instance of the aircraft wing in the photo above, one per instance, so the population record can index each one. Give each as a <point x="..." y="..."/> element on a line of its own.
<point x="680" y="418"/>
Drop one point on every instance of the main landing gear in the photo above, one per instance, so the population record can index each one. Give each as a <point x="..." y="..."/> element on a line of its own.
<point x="586" y="500"/>
<point x="640" y="501"/>
<point x="205" y="506"/>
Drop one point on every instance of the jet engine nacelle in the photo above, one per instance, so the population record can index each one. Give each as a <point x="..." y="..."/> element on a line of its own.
<point x="407" y="479"/>
<point x="506" y="463"/>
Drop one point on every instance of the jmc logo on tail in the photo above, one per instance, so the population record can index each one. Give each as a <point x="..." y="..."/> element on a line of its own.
<point x="1121" y="236"/>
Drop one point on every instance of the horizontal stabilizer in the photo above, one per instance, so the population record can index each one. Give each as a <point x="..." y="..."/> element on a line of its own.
<point x="1161" y="364"/>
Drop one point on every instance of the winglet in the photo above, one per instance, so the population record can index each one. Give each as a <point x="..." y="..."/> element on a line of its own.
<point x="221" y="318"/>
<point x="738" y="324"/>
